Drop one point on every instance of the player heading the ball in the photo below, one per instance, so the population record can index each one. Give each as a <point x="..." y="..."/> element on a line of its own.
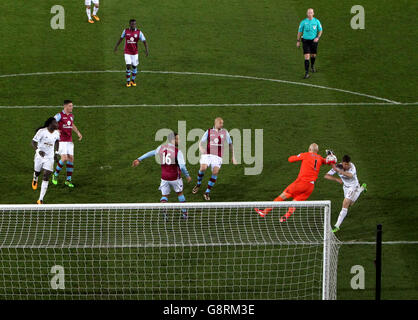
<point x="95" y="10"/>
<point x="303" y="186"/>
<point x="132" y="35"/>
<point x="66" y="126"/>
<point x="172" y="165"/>
<point x="212" y="149"/>
<point x="45" y="142"/>
<point x="352" y="189"/>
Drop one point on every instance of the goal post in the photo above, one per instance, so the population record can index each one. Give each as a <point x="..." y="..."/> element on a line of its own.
<point x="223" y="250"/>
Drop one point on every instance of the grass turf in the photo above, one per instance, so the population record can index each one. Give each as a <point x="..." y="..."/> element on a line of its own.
<point x="238" y="38"/>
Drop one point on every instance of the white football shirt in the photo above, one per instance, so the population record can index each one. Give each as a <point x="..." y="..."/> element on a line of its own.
<point x="46" y="141"/>
<point x="348" y="182"/>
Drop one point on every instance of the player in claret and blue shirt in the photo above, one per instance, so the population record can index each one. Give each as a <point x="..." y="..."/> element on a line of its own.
<point x="172" y="165"/>
<point x="132" y="35"/>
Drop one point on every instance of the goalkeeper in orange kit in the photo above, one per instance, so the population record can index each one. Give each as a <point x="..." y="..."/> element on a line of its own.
<point x="303" y="186"/>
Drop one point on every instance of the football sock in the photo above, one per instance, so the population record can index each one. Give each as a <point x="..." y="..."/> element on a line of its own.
<point x="341" y="217"/>
<point x="182" y="199"/>
<point x="88" y="13"/>
<point x="95" y="9"/>
<point x="312" y="61"/>
<point x="134" y="71"/>
<point x="70" y="169"/>
<point x="128" y="75"/>
<point x="290" y="212"/>
<point x="35" y="176"/>
<point x="164" y="199"/>
<point x="200" y="177"/>
<point x="58" y="169"/>
<point x="306" y="66"/>
<point x="44" y="187"/>
<point x="211" y="183"/>
<point x="279" y="198"/>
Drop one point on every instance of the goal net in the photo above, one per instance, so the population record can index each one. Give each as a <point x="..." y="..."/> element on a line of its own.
<point x="149" y="251"/>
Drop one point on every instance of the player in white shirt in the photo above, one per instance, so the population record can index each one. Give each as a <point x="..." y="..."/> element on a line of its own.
<point x="45" y="143"/>
<point x="352" y="189"/>
<point x="95" y="9"/>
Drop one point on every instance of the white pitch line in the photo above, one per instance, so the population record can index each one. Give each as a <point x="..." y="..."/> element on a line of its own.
<point x="383" y="242"/>
<point x="217" y="105"/>
<point x="205" y="74"/>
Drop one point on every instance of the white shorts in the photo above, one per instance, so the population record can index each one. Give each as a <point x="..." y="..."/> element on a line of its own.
<point x="211" y="160"/>
<point x="88" y="2"/>
<point x="352" y="193"/>
<point x="66" y="148"/>
<point x="166" y="186"/>
<point x="43" y="163"/>
<point x="132" y="59"/>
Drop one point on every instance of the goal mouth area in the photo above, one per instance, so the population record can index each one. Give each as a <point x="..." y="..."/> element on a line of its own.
<point x="207" y="250"/>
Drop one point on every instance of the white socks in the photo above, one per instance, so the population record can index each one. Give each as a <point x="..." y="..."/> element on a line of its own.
<point x="95" y="9"/>
<point x="44" y="187"/>
<point x="341" y="217"/>
<point x="88" y="13"/>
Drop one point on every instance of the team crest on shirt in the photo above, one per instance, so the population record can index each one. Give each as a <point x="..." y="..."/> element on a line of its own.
<point x="135" y="35"/>
<point x="314" y="27"/>
<point x="222" y="136"/>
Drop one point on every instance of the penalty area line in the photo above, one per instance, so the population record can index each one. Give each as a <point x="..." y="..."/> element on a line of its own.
<point x="221" y="105"/>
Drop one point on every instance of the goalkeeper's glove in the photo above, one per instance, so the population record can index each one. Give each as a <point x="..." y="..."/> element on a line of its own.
<point x="329" y="152"/>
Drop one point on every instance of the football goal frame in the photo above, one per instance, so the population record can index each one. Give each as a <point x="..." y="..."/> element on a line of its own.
<point x="223" y="250"/>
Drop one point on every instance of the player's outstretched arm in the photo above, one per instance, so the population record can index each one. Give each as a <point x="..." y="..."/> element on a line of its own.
<point x="137" y="161"/>
<point x="299" y="157"/>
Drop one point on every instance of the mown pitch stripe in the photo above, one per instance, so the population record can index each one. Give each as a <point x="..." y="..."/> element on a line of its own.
<point x="204" y="74"/>
<point x="218" y="105"/>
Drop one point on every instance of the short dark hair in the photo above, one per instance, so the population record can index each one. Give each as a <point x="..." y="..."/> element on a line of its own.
<point x="132" y="20"/>
<point x="67" y="102"/>
<point x="346" y="158"/>
<point x="171" y="136"/>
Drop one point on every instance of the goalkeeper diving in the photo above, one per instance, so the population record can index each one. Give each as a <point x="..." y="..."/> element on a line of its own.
<point x="303" y="186"/>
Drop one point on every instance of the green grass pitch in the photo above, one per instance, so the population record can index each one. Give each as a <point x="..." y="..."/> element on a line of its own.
<point x="246" y="38"/>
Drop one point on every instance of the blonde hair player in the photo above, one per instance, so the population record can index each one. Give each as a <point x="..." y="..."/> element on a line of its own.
<point x="95" y="10"/>
<point x="352" y="189"/>
<point x="212" y="148"/>
<point x="303" y="186"/>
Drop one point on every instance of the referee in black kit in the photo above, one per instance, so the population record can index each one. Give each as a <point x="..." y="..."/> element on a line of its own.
<point x="310" y="29"/>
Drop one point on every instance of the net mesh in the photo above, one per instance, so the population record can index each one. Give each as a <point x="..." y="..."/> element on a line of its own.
<point x="149" y="251"/>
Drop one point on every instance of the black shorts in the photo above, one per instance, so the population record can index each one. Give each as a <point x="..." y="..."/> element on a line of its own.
<point x="309" y="46"/>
